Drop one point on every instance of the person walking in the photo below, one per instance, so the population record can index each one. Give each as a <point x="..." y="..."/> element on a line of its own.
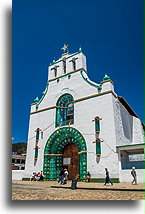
<point x="88" y="177"/>
<point x="133" y="173"/>
<point x="61" y="178"/>
<point x="107" y="179"/>
<point x="65" y="176"/>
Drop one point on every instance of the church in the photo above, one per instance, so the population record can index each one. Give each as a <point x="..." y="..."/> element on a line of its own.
<point x="82" y="126"/>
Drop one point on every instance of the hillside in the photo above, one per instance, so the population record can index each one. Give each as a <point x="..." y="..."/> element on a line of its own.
<point x="20" y="148"/>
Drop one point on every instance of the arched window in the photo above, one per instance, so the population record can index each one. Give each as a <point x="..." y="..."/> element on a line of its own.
<point x="65" y="110"/>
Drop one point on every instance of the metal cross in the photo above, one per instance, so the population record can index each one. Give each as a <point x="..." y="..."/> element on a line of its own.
<point x="65" y="48"/>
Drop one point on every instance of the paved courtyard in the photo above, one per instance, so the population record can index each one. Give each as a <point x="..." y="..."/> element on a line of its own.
<point x="31" y="190"/>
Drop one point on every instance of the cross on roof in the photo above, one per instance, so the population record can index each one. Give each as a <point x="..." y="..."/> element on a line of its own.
<point x="65" y="48"/>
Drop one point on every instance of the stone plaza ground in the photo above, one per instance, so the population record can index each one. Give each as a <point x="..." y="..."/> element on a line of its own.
<point x="31" y="190"/>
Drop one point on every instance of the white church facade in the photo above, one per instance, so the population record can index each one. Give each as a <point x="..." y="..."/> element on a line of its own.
<point x="82" y="126"/>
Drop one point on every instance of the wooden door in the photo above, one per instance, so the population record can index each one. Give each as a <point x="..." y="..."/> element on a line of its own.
<point x="71" y="151"/>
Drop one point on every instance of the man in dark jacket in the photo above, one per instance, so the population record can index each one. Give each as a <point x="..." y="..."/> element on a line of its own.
<point x="107" y="179"/>
<point x="61" y="178"/>
<point x="133" y="172"/>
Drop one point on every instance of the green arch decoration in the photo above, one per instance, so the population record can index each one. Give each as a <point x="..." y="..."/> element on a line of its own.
<point x="53" y="152"/>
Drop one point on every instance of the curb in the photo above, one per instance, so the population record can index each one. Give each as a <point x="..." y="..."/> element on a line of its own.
<point x="112" y="189"/>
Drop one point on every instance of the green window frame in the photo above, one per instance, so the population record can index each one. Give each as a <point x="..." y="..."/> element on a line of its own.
<point x="65" y="110"/>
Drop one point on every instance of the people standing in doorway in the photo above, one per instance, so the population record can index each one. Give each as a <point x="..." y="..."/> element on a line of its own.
<point x="133" y="172"/>
<point x="107" y="179"/>
<point x="65" y="176"/>
<point x="88" y="177"/>
<point x="61" y="178"/>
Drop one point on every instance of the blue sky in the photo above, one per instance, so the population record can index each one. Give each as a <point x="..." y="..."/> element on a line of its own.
<point x="109" y="32"/>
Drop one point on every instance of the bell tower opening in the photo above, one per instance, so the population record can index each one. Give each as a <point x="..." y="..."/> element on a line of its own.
<point x="71" y="160"/>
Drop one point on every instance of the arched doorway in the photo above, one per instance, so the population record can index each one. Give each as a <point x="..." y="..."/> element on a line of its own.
<point x="71" y="160"/>
<point x="57" y="146"/>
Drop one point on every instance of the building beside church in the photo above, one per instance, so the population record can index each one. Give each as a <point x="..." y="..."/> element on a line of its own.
<point x="82" y="126"/>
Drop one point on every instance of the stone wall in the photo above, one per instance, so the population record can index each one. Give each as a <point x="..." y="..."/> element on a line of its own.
<point x="129" y="129"/>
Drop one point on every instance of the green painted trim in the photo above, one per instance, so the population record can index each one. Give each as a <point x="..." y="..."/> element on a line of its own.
<point x="86" y="78"/>
<point x="55" y="144"/>
<point x="98" y="148"/>
<point x="130" y="145"/>
<point x="97" y="125"/>
<point x="36" y="100"/>
<point x="46" y="89"/>
<point x="47" y="84"/>
<point x="106" y="77"/>
<point x="64" y="89"/>
<point x="67" y="74"/>
<point x="25" y="179"/>
<point x="37" y="135"/>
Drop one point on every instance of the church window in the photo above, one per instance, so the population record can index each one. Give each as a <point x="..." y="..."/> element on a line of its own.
<point x="55" y="70"/>
<point x="65" y="110"/>
<point x="98" y="148"/>
<point x="36" y="145"/>
<point x="74" y="64"/>
<point x="64" y="65"/>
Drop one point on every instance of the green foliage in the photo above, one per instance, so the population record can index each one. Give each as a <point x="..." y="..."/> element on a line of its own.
<point x="25" y="179"/>
<point x="20" y="148"/>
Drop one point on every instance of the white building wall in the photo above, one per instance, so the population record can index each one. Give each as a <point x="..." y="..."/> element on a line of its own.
<point x="125" y="176"/>
<point x="18" y="174"/>
<point x="107" y="86"/>
<point x="138" y="133"/>
<point x="129" y="129"/>
<point x="87" y="110"/>
<point x="40" y="120"/>
<point x="120" y="113"/>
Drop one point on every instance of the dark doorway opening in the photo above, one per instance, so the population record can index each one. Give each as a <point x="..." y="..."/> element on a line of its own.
<point x="71" y="160"/>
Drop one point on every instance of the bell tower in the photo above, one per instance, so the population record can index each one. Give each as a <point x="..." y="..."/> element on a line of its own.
<point x="67" y="63"/>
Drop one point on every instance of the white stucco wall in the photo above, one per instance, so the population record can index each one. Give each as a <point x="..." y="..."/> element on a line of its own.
<point x="18" y="174"/>
<point x="138" y="133"/>
<point x="129" y="129"/>
<point x="125" y="176"/>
